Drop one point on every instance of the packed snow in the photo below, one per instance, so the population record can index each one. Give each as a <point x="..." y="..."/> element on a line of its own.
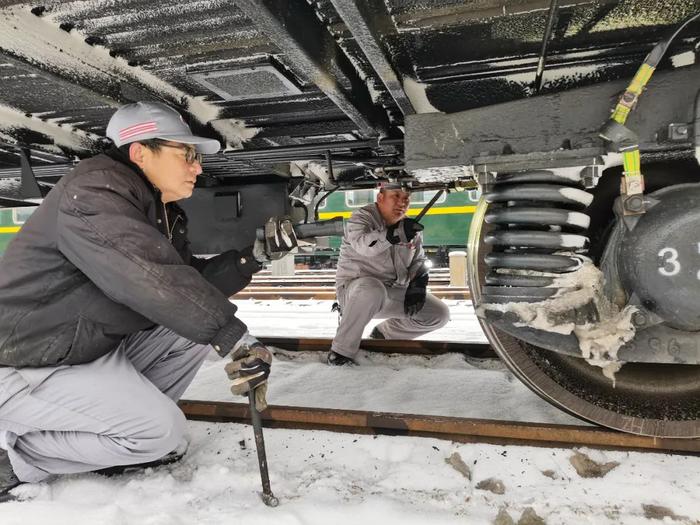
<point x="323" y="477"/>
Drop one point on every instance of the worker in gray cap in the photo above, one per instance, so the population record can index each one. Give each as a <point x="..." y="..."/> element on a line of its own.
<point x="106" y="316"/>
<point x="382" y="273"/>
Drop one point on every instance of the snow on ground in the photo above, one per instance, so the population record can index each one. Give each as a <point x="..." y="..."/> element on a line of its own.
<point x="322" y="477"/>
<point x="447" y="385"/>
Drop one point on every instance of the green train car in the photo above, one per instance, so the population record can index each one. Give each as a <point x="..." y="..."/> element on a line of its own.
<point x="11" y="220"/>
<point x="446" y="223"/>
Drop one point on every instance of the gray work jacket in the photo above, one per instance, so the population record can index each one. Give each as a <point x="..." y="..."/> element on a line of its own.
<point x="366" y="252"/>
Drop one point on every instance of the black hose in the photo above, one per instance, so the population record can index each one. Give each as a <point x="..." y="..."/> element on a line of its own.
<point x="321" y="200"/>
<point x="656" y="54"/>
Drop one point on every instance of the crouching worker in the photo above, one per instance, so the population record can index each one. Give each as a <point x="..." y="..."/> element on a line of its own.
<point x="105" y="315"/>
<point x="382" y="274"/>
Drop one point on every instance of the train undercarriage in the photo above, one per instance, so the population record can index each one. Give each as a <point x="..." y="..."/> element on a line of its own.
<point x="590" y="302"/>
<point x="584" y="257"/>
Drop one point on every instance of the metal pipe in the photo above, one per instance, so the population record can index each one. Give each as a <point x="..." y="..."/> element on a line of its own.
<point x="429" y="205"/>
<point x="551" y="20"/>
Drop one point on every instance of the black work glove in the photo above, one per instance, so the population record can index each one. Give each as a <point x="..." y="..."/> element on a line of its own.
<point x="280" y="239"/>
<point x="249" y="369"/>
<point x="403" y="231"/>
<point x="415" y="294"/>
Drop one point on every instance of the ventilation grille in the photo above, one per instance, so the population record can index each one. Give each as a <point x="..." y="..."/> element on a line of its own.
<point x="247" y="83"/>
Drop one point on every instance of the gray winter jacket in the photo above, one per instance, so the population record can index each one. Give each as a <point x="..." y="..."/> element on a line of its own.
<point x="96" y="262"/>
<point x="366" y="252"/>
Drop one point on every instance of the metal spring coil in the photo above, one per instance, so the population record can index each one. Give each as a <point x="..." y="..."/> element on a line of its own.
<point x="537" y="229"/>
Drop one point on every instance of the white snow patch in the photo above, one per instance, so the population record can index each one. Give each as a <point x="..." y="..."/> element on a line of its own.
<point x="578" y="219"/>
<point x="64" y="135"/>
<point x="572" y="241"/>
<point x="600" y="341"/>
<point x="683" y="59"/>
<point x="415" y="91"/>
<point x="577" y="195"/>
<point x="235" y="131"/>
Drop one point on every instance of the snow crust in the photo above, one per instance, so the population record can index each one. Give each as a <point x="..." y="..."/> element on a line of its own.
<point x="22" y="33"/>
<point x="600" y="341"/>
<point x="415" y="91"/>
<point x="64" y="135"/>
<point x="344" y="479"/>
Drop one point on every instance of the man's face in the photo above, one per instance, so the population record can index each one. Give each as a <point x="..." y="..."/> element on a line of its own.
<point x="168" y="168"/>
<point x="393" y="204"/>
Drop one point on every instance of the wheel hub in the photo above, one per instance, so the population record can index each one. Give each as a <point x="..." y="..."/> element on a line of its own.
<point x="659" y="262"/>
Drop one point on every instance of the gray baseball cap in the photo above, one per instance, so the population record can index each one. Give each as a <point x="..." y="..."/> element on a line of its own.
<point x="154" y="120"/>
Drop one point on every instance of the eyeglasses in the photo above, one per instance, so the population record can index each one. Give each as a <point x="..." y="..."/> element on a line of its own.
<point x="191" y="155"/>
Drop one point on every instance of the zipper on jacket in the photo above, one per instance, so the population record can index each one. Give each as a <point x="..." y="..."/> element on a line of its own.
<point x="168" y="231"/>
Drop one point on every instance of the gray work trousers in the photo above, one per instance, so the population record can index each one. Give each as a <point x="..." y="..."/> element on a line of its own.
<point x="366" y="298"/>
<point x="117" y="410"/>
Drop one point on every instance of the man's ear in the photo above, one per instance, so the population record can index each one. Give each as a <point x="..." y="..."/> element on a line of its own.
<point x="136" y="151"/>
<point x="380" y="197"/>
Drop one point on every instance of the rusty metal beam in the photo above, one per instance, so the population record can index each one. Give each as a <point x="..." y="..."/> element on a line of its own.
<point x="463" y="430"/>
<point x="410" y="347"/>
<point x="367" y="21"/>
<point x="292" y="25"/>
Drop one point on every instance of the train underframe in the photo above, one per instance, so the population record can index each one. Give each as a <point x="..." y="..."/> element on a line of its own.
<point x="592" y="303"/>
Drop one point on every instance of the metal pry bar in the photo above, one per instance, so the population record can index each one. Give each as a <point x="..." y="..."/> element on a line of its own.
<point x="267" y="496"/>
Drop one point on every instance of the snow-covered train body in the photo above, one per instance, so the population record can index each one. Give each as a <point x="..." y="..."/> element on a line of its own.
<point x="584" y="251"/>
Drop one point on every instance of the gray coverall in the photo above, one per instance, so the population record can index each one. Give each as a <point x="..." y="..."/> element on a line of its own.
<point x="371" y="282"/>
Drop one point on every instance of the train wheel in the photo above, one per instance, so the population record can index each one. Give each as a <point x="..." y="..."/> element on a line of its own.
<point x="646" y="398"/>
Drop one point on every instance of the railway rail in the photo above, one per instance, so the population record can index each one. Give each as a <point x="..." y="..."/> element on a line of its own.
<point x="256" y="291"/>
<point x="412" y="347"/>
<point x="463" y="430"/>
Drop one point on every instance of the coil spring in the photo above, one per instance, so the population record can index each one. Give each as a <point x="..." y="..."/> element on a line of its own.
<point x="538" y="229"/>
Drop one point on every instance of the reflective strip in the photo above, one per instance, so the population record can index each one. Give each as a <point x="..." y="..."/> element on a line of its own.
<point x="447" y="210"/>
<point x="9" y="229"/>
<point x="631" y="163"/>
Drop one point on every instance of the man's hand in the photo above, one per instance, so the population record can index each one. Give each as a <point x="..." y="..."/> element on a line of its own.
<point x="403" y="231"/>
<point x="249" y="369"/>
<point x="415" y="294"/>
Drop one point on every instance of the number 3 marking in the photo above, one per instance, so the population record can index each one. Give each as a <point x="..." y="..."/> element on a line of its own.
<point x="671" y="265"/>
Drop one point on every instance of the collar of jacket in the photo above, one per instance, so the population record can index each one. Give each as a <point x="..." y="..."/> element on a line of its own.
<point x="115" y="153"/>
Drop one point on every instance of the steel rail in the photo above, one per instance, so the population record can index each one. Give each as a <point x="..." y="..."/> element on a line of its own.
<point x="386" y="346"/>
<point x="328" y="292"/>
<point x="462" y="430"/>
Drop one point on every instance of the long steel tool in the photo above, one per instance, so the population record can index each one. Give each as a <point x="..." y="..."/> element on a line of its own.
<point x="268" y="497"/>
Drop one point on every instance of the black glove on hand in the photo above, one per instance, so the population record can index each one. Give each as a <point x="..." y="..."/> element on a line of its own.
<point x="249" y="369"/>
<point x="415" y="294"/>
<point x="403" y="231"/>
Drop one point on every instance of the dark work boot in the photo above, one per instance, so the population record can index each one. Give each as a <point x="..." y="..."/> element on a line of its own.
<point x="8" y="480"/>
<point x="335" y="359"/>
<point x="376" y="334"/>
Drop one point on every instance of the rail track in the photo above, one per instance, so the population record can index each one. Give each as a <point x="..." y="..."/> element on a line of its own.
<point x="464" y="430"/>
<point x="320" y="285"/>
<point x="413" y="347"/>
<point x="461" y="430"/>
<point x="256" y="291"/>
